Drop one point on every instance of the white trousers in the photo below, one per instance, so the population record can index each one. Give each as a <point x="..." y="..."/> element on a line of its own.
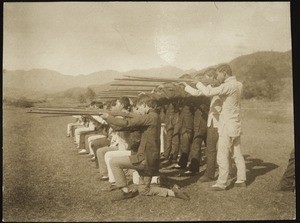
<point x="78" y="131"/>
<point x="90" y="141"/>
<point x="107" y="158"/>
<point x="227" y="147"/>
<point x="70" y="125"/>
<point x="162" y="137"/>
<point x="94" y="137"/>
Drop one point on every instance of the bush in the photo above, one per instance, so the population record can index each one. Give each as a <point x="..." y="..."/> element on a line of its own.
<point x="90" y="94"/>
<point x="81" y="98"/>
<point x="21" y="102"/>
<point x="262" y="82"/>
<point x="24" y="103"/>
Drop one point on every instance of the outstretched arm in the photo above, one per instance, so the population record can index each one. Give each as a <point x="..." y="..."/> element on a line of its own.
<point x="223" y="89"/>
<point x="192" y="91"/>
<point x="141" y="120"/>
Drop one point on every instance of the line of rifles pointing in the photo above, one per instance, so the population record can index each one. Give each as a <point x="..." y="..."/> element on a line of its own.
<point x="135" y="86"/>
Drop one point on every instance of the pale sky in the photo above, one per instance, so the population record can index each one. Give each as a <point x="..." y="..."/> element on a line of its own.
<point x="81" y="38"/>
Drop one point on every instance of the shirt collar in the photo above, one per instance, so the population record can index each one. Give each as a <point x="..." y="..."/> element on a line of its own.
<point x="232" y="78"/>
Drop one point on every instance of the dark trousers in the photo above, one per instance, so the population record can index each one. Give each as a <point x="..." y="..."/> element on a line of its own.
<point x="168" y="148"/>
<point x="195" y="154"/>
<point x="288" y="177"/>
<point x="211" y="151"/>
<point x="172" y="137"/>
<point x="172" y="145"/>
<point x="200" y="130"/>
<point x="185" y="145"/>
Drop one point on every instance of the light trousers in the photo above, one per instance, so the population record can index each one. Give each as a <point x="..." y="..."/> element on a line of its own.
<point x="108" y="156"/>
<point x="228" y="146"/>
<point x="162" y="138"/>
<point x="101" y="158"/>
<point x="71" y="128"/>
<point x="117" y="165"/>
<point x="78" y="131"/>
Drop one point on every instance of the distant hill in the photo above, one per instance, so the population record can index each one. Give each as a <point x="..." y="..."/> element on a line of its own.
<point x="41" y="82"/>
<point x="264" y="74"/>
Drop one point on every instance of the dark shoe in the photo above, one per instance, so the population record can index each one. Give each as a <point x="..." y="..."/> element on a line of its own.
<point x="180" y="194"/>
<point x="123" y="195"/>
<point x="166" y="162"/>
<point x="162" y="157"/>
<point x="241" y="184"/>
<point x="205" y="179"/>
<point x="164" y="181"/>
<point x="111" y="187"/>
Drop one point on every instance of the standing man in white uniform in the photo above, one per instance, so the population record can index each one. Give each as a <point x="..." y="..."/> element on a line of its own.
<point x="229" y="126"/>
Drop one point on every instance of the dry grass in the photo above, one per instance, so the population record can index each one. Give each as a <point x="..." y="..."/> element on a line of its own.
<point x="45" y="179"/>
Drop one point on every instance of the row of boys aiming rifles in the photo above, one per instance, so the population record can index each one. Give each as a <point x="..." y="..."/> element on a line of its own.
<point x="204" y="112"/>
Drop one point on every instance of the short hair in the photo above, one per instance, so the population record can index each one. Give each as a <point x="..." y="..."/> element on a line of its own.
<point x="224" y="68"/>
<point x="111" y="103"/>
<point x="148" y="100"/>
<point x="125" y="102"/>
<point x="99" y="104"/>
<point x="211" y="72"/>
<point x="133" y="100"/>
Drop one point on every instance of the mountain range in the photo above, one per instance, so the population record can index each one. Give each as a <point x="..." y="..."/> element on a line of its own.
<point x="251" y="69"/>
<point x="36" y="82"/>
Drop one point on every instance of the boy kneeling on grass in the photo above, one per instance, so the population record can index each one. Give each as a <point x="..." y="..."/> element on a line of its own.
<point x="146" y="160"/>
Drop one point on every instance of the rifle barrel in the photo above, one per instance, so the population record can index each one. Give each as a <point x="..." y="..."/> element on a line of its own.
<point x="59" y="109"/>
<point x="156" y="79"/>
<point x="160" y="79"/>
<point x="54" y="116"/>
<point x="135" y="85"/>
<point x="131" y="90"/>
<point x="116" y="96"/>
<point x="83" y="112"/>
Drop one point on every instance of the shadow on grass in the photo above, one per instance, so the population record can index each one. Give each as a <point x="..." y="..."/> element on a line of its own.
<point x="181" y="180"/>
<point x="257" y="167"/>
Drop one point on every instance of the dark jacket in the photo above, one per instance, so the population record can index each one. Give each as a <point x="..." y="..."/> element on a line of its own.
<point x="149" y="147"/>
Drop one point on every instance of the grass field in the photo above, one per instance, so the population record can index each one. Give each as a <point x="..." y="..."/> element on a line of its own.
<point x="45" y="180"/>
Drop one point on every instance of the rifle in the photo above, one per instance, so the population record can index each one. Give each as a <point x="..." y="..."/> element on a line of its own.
<point x="135" y="85"/>
<point x="126" y="91"/>
<point x="115" y="96"/>
<point x="54" y="116"/>
<point x="205" y="81"/>
<point x="81" y="112"/>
